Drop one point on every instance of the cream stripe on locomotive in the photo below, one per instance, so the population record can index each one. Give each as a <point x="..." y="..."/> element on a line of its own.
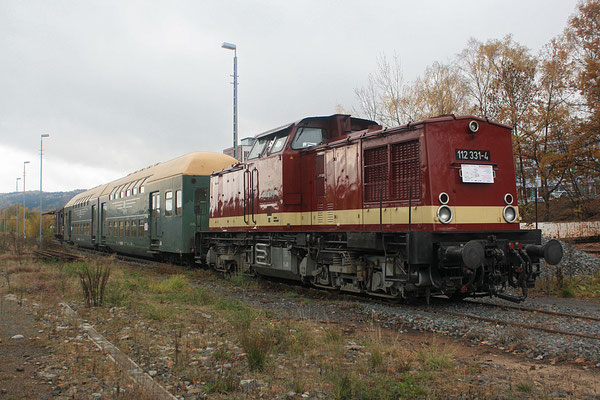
<point x="367" y="216"/>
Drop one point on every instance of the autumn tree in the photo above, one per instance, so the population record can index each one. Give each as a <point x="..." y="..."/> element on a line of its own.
<point x="441" y="90"/>
<point x="478" y="65"/>
<point x="583" y="35"/>
<point x="553" y="119"/>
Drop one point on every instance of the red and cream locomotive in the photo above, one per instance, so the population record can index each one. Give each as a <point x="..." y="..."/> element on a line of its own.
<point x="340" y="203"/>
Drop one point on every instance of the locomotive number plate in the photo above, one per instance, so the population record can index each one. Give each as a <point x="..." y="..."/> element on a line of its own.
<point x="472" y="155"/>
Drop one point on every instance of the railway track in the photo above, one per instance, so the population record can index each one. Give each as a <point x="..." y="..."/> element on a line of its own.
<point x="535" y="310"/>
<point x="49" y="254"/>
<point x="520" y="324"/>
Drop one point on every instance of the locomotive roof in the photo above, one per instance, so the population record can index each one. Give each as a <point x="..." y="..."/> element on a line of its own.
<point x="197" y="163"/>
<point x="282" y="127"/>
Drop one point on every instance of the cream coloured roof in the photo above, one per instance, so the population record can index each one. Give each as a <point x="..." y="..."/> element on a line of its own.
<point x="197" y="163"/>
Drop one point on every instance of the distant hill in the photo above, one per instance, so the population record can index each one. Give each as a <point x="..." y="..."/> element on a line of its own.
<point x="51" y="200"/>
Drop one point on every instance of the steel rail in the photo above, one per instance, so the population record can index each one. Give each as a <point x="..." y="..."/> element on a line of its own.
<point x="518" y="324"/>
<point x="535" y="310"/>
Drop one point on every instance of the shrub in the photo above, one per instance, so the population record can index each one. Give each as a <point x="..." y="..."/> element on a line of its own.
<point x="93" y="282"/>
<point x="256" y="344"/>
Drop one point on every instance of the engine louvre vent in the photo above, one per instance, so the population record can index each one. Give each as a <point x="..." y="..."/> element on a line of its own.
<point x="391" y="170"/>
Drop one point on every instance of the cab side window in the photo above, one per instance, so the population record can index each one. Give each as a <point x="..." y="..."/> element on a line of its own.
<point x="277" y="144"/>
<point x="308" y="137"/>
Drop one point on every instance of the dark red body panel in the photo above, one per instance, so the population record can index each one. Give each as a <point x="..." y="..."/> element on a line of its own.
<point x="339" y="185"/>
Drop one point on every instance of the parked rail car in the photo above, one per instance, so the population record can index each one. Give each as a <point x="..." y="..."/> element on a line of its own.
<point x="340" y="203"/>
<point x="158" y="211"/>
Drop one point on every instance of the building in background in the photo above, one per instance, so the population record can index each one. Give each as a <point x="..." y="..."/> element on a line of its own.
<point x="243" y="149"/>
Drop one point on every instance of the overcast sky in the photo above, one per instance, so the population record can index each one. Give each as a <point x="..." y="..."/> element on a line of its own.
<point x="120" y="85"/>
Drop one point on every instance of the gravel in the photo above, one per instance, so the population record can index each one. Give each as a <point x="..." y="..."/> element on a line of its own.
<point x="574" y="262"/>
<point x="530" y="343"/>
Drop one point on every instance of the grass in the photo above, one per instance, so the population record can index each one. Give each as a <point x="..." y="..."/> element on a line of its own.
<point x="584" y="286"/>
<point x="434" y="358"/>
<point x="239" y="279"/>
<point x="524" y="387"/>
<point x="166" y="320"/>
<point x="333" y="335"/>
<point x="173" y="284"/>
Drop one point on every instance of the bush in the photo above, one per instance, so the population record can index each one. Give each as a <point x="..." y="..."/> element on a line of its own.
<point x="257" y="345"/>
<point x="93" y="282"/>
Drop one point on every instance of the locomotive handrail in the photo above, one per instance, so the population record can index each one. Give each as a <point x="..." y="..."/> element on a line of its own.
<point x="246" y="181"/>
<point x="252" y="190"/>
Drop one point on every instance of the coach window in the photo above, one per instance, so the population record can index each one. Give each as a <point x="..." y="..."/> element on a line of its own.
<point x="135" y="191"/>
<point x="307" y="137"/>
<point x="127" y="232"/>
<point x="134" y="228"/>
<point x="168" y="204"/>
<point x="128" y="193"/>
<point x="141" y="228"/>
<point x="178" y="202"/>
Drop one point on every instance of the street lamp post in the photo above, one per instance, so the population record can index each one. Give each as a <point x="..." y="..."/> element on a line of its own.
<point x="24" y="164"/>
<point x="231" y="46"/>
<point x="42" y="136"/>
<point x="17" y="231"/>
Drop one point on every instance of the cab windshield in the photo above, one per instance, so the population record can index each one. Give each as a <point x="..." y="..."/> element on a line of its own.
<point x="269" y="145"/>
<point x="258" y="148"/>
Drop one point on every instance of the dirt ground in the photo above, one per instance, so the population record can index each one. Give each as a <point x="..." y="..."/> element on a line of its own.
<point x="55" y="360"/>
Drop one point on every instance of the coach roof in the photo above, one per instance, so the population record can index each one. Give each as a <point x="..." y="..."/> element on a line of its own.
<point x="197" y="163"/>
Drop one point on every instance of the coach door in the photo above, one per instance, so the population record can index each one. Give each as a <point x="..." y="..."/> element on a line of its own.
<point x="68" y="226"/>
<point x="93" y="224"/>
<point x="155" y="223"/>
<point x="201" y="208"/>
<point x="103" y="223"/>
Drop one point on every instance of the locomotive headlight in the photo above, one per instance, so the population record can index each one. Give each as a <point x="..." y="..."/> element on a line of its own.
<point x="510" y="214"/>
<point x="444" y="214"/>
<point x="473" y="126"/>
<point x="444" y="198"/>
<point x="508" y="198"/>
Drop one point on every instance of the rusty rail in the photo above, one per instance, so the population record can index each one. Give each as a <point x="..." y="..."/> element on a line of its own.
<point x="535" y="310"/>
<point x="58" y="255"/>
<point x="518" y="324"/>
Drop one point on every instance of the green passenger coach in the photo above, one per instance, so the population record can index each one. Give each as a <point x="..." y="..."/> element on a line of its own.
<point x="159" y="210"/>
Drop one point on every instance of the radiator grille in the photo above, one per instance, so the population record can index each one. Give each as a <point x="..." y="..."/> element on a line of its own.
<point x="376" y="173"/>
<point x="391" y="170"/>
<point x="405" y="170"/>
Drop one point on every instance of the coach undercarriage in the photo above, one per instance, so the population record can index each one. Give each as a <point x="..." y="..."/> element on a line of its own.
<point x="397" y="265"/>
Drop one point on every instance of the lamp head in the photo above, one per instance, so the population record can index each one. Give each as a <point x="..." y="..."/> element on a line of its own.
<point x="45" y="135"/>
<point x="228" y="46"/>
